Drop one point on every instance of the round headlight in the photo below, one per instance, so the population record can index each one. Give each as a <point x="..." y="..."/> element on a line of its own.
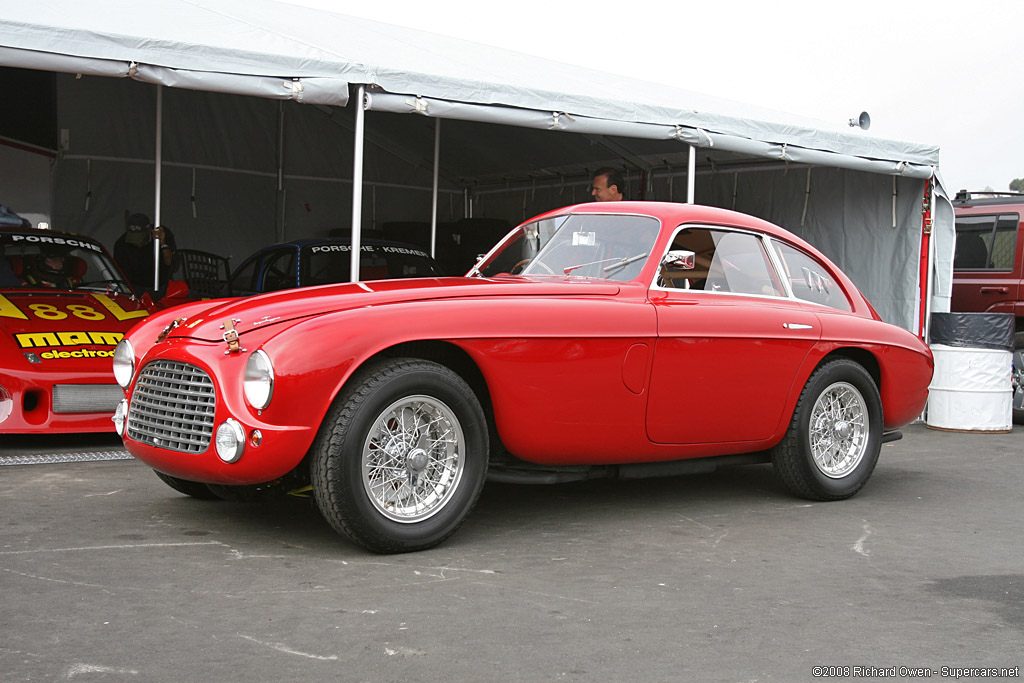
<point x="119" y="416"/>
<point x="124" y="363"/>
<point x="230" y="441"/>
<point x="259" y="380"/>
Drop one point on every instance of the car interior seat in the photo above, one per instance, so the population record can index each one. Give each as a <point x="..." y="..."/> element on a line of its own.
<point x="971" y="251"/>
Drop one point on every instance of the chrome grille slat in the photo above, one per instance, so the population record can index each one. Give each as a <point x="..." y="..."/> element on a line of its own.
<point x="172" y="407"/>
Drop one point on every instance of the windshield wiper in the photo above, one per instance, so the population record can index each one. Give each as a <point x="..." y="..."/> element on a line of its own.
<point x="568" y="270"/>
<point x="623" y="262"/>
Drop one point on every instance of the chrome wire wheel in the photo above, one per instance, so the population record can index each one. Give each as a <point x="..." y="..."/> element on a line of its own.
<point x="839" y="430"/>
<point x="413" y="459"/>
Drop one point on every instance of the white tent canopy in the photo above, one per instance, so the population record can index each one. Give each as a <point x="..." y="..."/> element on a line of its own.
<point x="506" y="149"/>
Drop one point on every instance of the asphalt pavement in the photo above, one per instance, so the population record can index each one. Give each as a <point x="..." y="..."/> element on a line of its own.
<point x="106" y="574"/>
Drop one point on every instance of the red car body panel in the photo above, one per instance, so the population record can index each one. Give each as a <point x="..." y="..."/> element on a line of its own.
<point x="576" y="371"/>
<point x="70" y="338"/>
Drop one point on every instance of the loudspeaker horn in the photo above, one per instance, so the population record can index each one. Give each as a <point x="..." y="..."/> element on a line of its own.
<point x="863" y="121"/>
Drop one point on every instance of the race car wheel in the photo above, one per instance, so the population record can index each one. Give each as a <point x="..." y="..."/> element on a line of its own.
<point x="1018" y="378"/>
<point x="401" y="457"/>
<point x="189" y="488"/>
<point x="835" y="435"/>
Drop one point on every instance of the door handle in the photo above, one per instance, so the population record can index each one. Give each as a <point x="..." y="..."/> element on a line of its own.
<point x="797" y="326"/>
<point x="995" y="290"/>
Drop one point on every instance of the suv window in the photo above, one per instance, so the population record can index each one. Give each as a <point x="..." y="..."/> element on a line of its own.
<point x="985" y="242"/>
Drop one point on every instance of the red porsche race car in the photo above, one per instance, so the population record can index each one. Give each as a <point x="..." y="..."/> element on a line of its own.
<point x="602" y="340"/>
<point x="64" y="306"/>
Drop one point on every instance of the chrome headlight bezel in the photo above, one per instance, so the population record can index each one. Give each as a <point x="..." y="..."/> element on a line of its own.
<point x="229" y="440"/>
<point x="124" y="363"/>
<point x="258" y="380"/>
<point x="120" y="417"/>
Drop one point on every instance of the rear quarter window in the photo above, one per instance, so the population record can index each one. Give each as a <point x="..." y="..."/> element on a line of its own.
<point x="809" y="279"/>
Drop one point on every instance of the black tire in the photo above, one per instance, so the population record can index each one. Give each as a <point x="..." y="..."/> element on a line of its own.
<point x="429" y="411"/>
<point x="1018" y="378"/>
<point x="238" y="494"/>
<point x="189" y="488"/>
<point x="839" y="419"/>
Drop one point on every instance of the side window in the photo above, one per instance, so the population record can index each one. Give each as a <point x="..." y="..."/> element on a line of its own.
<point x="985" y="242"/>
<point x="809" y="278"/>
<point x="244" y="279"/>
<point x="724" y="261"/>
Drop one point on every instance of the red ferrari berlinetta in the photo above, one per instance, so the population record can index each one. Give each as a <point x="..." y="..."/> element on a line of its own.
<point x="608" y="339"/>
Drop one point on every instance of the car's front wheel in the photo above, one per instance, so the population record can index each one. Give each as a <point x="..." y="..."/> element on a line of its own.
<point x="835" y="435"/>
<point x="401" y="456"/>
<point x="189" y="488"/>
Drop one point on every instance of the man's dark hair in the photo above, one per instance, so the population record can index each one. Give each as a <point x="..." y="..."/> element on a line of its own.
<point x="612" y="177"/>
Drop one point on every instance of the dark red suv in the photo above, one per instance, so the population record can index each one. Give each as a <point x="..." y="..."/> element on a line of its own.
<point x="988" y="266"/>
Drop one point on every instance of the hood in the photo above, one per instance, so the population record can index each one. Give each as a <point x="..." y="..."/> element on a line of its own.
<point x="65" y="326"/>
<point x="278" y="307"/>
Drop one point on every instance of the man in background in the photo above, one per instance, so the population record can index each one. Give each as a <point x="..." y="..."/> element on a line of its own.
<point x="607" y="185"/>
<point x="133" y="252"/>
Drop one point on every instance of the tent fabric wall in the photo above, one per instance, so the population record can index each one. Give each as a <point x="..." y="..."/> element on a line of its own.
<point x="254" y="113"/>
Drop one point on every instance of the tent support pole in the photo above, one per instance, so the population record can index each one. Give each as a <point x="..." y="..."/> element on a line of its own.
<point x="691" y="176"/>
<point x="357" y="183"/>
<point x="280" y="172"/>
<point x="437" y="168"/>
<point x="158" y="175"/>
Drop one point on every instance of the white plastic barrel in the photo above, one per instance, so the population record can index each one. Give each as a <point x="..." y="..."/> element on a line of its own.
<point x="970" y="390"/>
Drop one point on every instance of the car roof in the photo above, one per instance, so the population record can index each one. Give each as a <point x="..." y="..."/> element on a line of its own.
<point x="674" y="213"/>
<point x="965" y="198"/>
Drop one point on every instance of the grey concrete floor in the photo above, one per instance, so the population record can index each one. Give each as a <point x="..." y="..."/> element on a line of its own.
<point x="106" y="574"/>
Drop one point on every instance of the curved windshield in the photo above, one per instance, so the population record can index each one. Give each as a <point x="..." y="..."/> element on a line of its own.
<point x="55" y="261"/>
<point x="518" y="250"/>
<point x="603" y="246"/>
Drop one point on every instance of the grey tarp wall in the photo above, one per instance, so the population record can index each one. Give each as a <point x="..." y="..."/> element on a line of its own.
<point x="258" y="120"/>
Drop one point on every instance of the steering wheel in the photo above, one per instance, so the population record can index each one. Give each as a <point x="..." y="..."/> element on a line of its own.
<point x="522" y="264"/>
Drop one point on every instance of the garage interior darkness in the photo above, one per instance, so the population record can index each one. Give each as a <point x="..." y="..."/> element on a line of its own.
<point x="240" y="172"/>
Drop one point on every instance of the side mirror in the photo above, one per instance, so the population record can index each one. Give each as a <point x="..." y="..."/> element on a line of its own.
<point x="679" y="259"/>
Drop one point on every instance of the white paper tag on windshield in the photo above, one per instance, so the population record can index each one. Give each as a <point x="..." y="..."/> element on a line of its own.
<point x="584" y="239"/>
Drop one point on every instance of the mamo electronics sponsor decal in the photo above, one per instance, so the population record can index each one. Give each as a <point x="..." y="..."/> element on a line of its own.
<point x="34" y="340"/>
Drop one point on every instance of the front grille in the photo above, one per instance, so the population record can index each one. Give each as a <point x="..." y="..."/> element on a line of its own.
<point x="172" y="407"/>
<point x="86" y="398"/>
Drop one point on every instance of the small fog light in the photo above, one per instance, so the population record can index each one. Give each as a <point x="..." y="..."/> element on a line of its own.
<point x="120" y="414"/>
<point x="230" y="441"/>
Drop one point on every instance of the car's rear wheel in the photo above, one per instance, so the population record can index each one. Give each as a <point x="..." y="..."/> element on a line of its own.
<point x="1018" y="378"/>
<point x="189" y="488"/>
<point x="835" y="435"/>
<point x="401" y="457"/>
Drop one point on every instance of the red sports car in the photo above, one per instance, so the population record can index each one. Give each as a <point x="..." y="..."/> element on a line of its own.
<point x="64" y="306"/>
<point x="624" y="340"/>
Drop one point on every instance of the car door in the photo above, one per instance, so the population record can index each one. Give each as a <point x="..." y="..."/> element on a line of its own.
<point x="987" y="262"/>
<point x="730" y="341"/>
